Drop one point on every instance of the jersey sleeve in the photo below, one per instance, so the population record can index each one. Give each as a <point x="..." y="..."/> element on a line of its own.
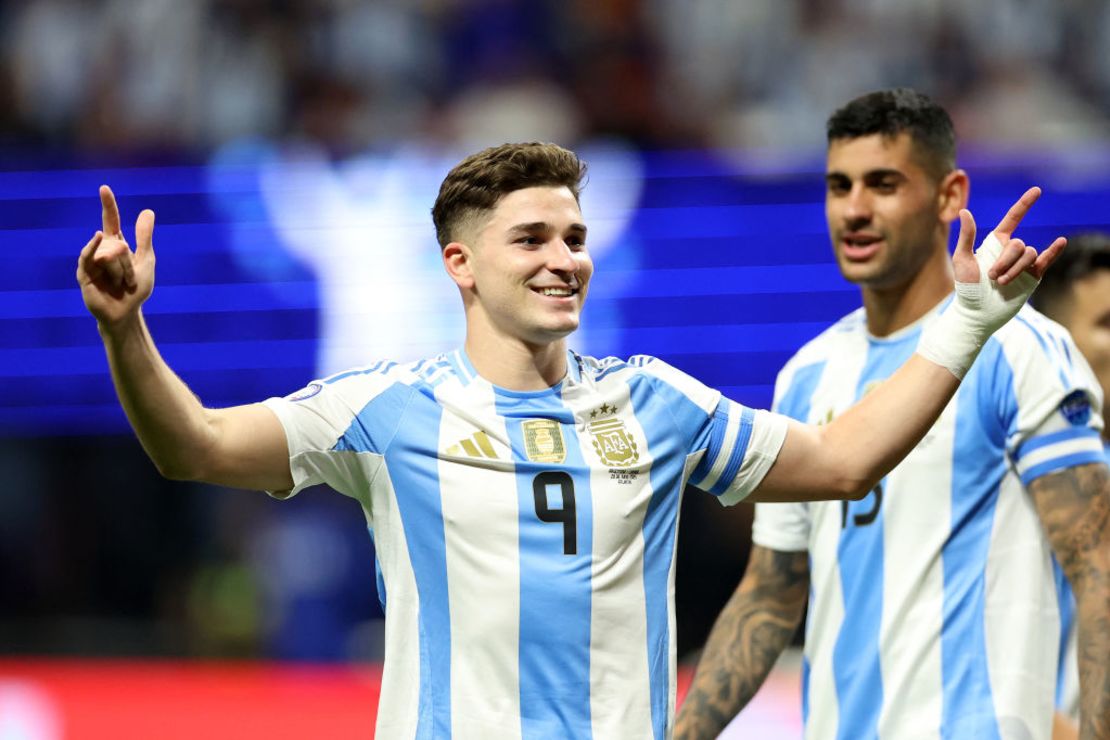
<point x="742" y="445"/>
<point x="781" y="526"/>
<point x="320" y="418"/>
<point x="734" y="445"/>
<point x="786" y="526"/>
<point x="1051" y="414"/>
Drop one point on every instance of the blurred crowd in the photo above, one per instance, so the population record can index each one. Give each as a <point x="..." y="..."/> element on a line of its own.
<point x="356" y="74"/>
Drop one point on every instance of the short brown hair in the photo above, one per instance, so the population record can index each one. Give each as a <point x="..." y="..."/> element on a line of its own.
<point x="477" y="183"/>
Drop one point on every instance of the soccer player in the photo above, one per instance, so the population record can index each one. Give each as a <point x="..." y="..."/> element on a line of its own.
<point x="523" y="498"/>
<point x="1076" y="293"/>
<point x="932" y="603"/>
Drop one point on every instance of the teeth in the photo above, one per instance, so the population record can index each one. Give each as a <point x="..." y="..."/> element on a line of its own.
<point x="557" y="291"/>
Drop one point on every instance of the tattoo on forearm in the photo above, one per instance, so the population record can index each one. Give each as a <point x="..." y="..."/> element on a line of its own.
<point x="745" y="642"/>
<point x="1074" y="506"/>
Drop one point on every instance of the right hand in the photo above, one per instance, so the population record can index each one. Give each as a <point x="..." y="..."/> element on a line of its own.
<point x="114" y="280"/>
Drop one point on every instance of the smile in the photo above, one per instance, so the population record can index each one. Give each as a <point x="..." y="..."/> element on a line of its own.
<point x="556" y="292"/>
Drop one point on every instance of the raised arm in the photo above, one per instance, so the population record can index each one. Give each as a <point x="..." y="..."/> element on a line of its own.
<point x="1074" y="507"/>
<point x="242" y="446"/>
<point x="847" y="457"/>
<point x="746" y="640"/>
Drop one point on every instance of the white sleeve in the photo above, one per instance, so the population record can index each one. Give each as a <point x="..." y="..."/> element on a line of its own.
<point x="315" y="420"/>
<point x="782" y="526"/>
<point x="737" y="444"/>
<point x="1051" y="411"/>
<point x="755" y="444"/>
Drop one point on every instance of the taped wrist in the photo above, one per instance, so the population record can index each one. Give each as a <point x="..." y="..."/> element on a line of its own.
<point x="979" y="309"/>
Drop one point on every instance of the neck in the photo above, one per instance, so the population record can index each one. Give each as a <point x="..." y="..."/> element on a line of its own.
<point x="517" y="365"/>
<point x="890" y="308"/>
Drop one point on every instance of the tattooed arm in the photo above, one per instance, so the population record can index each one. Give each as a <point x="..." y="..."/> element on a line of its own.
<point x="750" y="633"/>
<point x="1074" y="507"/>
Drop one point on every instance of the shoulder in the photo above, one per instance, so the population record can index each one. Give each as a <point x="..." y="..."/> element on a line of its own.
<point x="849" y="329"/>
<point x="368" y="381"/>
<point x="647" y="372"/>
<point x="1033" y="343"/>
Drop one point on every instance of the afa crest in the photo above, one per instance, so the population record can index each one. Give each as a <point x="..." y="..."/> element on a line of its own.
<point x="614" y="444"/>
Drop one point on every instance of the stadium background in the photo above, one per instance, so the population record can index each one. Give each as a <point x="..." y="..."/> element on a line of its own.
<point x="291" y="150"/>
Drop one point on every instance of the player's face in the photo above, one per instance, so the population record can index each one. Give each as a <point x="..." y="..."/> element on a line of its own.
<point x="1089" y="324"/>
<point x="883" y="210"/>
<point x="530" y="266"/>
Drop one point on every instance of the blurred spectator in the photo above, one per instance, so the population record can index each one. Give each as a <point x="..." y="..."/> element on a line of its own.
<point x="129" y="75"/>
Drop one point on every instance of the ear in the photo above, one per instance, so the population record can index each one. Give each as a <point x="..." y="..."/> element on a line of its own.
<point x="457" y="261"/>
<point x="952" y="195"/>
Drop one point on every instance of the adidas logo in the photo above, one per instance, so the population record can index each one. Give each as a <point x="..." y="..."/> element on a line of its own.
<point x="476" y="445"/>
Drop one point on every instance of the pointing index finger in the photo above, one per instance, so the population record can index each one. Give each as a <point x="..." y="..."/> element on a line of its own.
<point x="109" y="212"/>
<point x="1009" y="223"/>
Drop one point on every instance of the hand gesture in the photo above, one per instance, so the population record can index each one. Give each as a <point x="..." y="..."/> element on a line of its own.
<point x="114" y="280"/>
<point x="1014" y="257"/>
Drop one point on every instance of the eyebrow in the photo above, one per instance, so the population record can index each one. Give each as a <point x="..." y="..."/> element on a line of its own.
<point x="876" y="174"/>
<point x="544" y="226"/>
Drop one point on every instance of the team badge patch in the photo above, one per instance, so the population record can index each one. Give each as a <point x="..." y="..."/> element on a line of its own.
<point x="613" y="443"/>
<point x="543" y="441"/>
<point x="1076" y="408"/>
<point x="307" y="392"/>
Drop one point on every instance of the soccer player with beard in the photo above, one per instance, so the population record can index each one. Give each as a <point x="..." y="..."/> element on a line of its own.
<point x="932" y="603"/>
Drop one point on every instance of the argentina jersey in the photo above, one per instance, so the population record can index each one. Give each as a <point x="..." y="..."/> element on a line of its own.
<point x="525" y="540"/>
<point x="933" y="608"/>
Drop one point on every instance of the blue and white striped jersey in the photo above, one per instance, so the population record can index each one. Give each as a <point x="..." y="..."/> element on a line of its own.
<point x="933" y="607"/>
<point x="525" y="540"/>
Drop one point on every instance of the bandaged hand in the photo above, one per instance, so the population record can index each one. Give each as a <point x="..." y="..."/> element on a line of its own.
<point x="992" y="284"/>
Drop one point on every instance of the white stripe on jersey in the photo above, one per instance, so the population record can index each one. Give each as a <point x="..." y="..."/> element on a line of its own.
<point x="618" y="582"/>
<point x="1059" y="449"/>
<point x="820" y="638"/>
<point x="400" y="686"/>
<point x="1016" y="608"/>
<point x="919" y="524"/>
<point x="484" y="683"/>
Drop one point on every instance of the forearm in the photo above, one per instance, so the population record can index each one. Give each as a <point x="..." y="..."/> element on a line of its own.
<point x="1074" y="507"/>
<point x="167" y="417"/>
<point x="1094" y="662"/>
<point x="847" y="457"/>
<point x="1091" y="583"/>
<point x="747" y="638"/>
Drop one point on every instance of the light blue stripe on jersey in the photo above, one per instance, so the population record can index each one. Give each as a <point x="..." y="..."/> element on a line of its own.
<point x="977" y="469"/>
<point x="1059" y="463"/>
<point x="1065" y="600"/>
<point x="736" y="455"/>
<point x="415" y="478"/>
<point x="556" y="589"/>
<point x="857" y="671"/>
<point x="379" y="579"/>
<point x="661" y="521"/>
<point x="795" y="403"/>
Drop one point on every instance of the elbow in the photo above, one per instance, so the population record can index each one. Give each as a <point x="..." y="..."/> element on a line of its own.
<point x="855" y="490"/>
<point x="175" y="470"/>
<point x="853" y="486"/>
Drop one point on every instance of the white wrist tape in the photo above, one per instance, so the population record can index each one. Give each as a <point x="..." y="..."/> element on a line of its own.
<point x="954" y="339"/>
